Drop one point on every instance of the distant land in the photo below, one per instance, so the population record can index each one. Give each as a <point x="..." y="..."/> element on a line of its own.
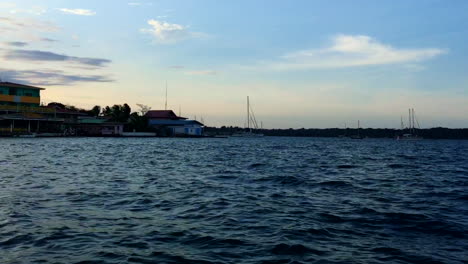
<point x="429" y="133"/>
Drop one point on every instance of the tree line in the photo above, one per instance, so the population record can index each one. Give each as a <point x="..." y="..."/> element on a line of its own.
<point x="430" y="133"/>
<point x="122" y="113"/>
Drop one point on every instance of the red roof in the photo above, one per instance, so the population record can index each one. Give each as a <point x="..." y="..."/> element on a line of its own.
<point x="163" y="114"/>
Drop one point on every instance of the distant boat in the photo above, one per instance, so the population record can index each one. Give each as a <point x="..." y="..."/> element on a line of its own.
<point x="250" y="120"/>
<point x="411" y="127"/>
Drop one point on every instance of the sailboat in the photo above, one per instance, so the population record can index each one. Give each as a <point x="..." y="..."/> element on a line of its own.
<point x="358" y="136"/>
<point x="411" y="127"/>
<point x="250" y="120"/>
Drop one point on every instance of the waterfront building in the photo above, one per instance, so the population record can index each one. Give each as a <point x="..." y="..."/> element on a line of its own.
<point x="22" y="114"/>
<point x="167" y="123"/>
<point x="98" y="126"/>
<point x="19" y="94"/>
<point x="20" y="111"/>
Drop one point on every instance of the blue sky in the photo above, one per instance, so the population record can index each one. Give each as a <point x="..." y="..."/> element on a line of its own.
<point x="303" y="63"/>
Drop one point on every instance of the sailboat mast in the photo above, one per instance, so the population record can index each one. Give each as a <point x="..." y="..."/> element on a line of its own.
<point x="165" y="105"/>
<point x="402" y="126"/>
<point x="248" y="113"/>
<point x="409" y="119"/>
<point x="358" y="128"/>
<point x="412" y="109"/>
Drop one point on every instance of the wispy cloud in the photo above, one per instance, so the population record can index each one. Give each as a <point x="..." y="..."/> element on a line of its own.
<point x="350" y="51"/>
<point x="26" y="30"/>
<point x="80" y="12"/>
<point x="16" y="43"/>
<point x="35" y="10"/>
<point x="164" y="32"/>
<point x="49" y="77"/>
<point x="7" y="5"/>
<point x="204" y="72"/>
<point x="38" y="55"/>
<point x="177" y="67"/>
<point x="15" y="24"/>
<point x="48" y="40"/>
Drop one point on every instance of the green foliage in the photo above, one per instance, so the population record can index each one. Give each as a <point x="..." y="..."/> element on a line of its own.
<point x="138" y="123"/>
<point x="95" y="111"/>
<point x="118" y="113"/>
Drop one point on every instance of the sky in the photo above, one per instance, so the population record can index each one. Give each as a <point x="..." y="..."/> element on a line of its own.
<point x="303" y="63"/>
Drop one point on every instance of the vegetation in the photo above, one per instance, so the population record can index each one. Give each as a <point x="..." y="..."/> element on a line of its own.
<point x="430" y="133"/>
<point x="95" y="111"/>
<point x="136" y="121"/>
<point x="117" y="113"/>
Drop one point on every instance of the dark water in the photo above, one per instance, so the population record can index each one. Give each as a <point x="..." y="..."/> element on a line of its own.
<point x="268" y="200"/>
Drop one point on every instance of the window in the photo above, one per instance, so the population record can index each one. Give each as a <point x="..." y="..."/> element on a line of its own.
<point x="28" y="94"/>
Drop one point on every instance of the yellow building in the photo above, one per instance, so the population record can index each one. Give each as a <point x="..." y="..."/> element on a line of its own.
<point x="19" y="94"/>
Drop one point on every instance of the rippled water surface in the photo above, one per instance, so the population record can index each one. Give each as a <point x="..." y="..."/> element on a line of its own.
<point x="265" y="200"/>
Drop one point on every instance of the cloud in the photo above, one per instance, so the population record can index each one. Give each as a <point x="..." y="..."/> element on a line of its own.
<point x="7" y="5"/>
<point x="205" y="72"/>
<point x="165" y="32"/>
<point x="49" y="77"/>
<point x="26" y="30"/>
<point x="80" y="12"/>
<point x="38" y="55"/>
<point x="350" y="51"/>
<point x="17" y="43"/>
<point x="35" y="10"/>
<point x="48" y="40"/>
<point x="177" y="67"/>
<point x="16" y="24"/>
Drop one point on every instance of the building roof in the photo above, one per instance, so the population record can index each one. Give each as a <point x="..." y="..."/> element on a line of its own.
<point x="163" y="114"/>
<point x="97" y="121"/>
<point x="166" y="122"/>
<point x="17" y="85"/>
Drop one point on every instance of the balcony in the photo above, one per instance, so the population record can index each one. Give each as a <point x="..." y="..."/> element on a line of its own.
<point x="19" y="99"/>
